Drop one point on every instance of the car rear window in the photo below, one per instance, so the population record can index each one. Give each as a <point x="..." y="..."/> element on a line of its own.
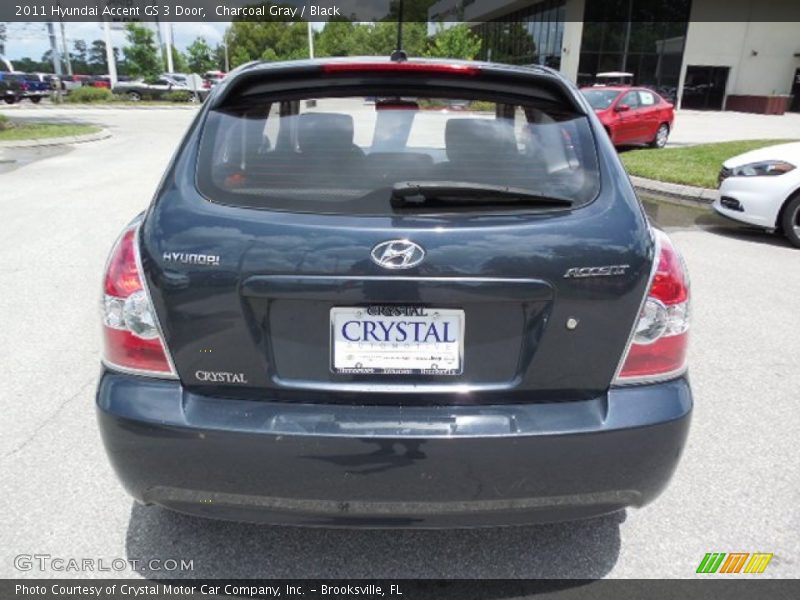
<point x="600" y="99"/>
<point x="345" y="154"/>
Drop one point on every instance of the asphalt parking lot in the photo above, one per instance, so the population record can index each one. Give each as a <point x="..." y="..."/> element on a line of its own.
<point x="737" y="488"/>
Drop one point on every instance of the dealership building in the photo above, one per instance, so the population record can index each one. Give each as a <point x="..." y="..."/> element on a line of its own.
<point x="701" y="54"/>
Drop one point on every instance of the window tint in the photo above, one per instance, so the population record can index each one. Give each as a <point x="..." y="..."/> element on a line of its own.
<point x="631" y="99"/>
<point x="343" y="155"/>
<point x="647" y="98"/>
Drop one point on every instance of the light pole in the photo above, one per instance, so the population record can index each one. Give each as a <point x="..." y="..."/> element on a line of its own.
<point x="110" y="59"/>
<point x="170" y="65"/>
<point x="227" y="58"/>
<point x="51" y="32"/>
<point x="67" y="60"/>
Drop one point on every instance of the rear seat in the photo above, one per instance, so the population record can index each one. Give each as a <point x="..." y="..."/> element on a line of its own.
<point x="326" y="156"/>
<point x="480" y="150"/>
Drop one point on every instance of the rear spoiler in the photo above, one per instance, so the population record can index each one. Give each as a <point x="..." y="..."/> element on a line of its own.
<point x="328" y="75"/>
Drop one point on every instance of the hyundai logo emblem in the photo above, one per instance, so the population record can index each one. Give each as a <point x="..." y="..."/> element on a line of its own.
<point x="397" y="254"/>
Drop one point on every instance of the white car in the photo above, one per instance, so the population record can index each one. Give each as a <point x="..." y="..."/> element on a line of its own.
<point x="762" y="188"/>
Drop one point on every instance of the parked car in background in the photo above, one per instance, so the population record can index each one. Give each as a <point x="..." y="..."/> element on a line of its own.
<point x="11" y="87"/>
<point x="192" y="81"/>
<point x="762" y="188"/>
<point x="212" y="78"/>
<point x="181" y="78"/>
<point x="99" y="81"/>
<point x="71" y="82"/>
<point x="415" y="318"/>
<point x="156" y="89"/>
<point x="36" y="86"/>
<point x="632" y="115"/>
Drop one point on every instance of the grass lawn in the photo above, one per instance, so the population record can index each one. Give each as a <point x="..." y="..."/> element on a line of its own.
<point x="692" y="165"/>
<point x="37" y="131"/>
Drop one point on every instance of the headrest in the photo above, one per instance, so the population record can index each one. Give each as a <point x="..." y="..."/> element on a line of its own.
<point x="325" y="132"/>
<point x="475" y="139"/>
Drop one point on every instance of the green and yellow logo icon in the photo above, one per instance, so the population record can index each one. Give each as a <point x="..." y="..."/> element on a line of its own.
<point x="734" y="562"/>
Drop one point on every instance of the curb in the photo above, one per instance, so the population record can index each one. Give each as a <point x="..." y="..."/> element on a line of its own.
<point x="107" y="106"/>
<point x="103" y="134"/>
<point x="687" y="193"/>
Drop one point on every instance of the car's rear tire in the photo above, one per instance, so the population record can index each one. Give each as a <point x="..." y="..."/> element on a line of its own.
<point x="790" y="221"/>
<point x="10" y="99"/>
<point x="134" y="96"/>
<point x="36" y="99"/>
<point x="662" y="135"/>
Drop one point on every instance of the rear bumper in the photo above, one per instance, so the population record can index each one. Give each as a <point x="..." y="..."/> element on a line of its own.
<point x="382" y="466"/>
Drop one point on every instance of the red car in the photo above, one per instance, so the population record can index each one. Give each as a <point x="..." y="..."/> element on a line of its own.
<point x="632" y="115"/>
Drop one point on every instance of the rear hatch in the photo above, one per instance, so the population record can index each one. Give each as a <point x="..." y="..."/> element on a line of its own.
<point x="367" y="235"/>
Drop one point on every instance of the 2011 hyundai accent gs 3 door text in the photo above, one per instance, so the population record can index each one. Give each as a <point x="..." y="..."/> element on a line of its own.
<point x="349" y="305"/>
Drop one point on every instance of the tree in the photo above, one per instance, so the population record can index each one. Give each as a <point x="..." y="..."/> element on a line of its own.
<point x="141" y="53"/>
<point x="96" y="59"/>
<point x="47" y="59"/>
<point x="179" y="64"/>
<point x="79" y="56"/>
<point x="219" y="57"/>
<point x="337" y="39"/>
<point x="457" y="41"/>
<point x="414" y="11"/>
<point x="200" y="57"/>
<point x="266" y="40"/>
<point x="96" y="54"/>
<point x="28" y="65"/>
<point x="380" y="39"/>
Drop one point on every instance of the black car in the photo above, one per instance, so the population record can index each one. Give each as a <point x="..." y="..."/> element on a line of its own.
<point x="336" y="313"/>
<point x="12" y="87"/>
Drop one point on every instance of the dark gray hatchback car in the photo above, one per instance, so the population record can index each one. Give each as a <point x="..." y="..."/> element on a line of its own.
<point x="394" y="293"/>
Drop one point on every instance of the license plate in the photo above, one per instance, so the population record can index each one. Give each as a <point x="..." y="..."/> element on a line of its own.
<point x="397" y="340"/>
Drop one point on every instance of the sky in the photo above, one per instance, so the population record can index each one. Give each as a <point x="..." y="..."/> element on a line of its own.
<point x="30" y="39"/>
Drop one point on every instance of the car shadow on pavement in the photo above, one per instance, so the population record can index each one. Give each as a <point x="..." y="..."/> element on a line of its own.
<point x="676" y="217"/>
<point x="586" y="549"/>
<point x="750" y="234"/>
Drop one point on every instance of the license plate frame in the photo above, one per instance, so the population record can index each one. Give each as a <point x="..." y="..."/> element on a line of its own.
<point x="398" y="358"/>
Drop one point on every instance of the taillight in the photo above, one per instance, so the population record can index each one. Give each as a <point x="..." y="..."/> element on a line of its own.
<point x="436" y="68"/>
<point x="131" y="336"/>
<point x="657" y="349"/>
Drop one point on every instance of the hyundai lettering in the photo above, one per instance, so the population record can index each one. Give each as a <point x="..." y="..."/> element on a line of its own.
<point x="350" y="305"/>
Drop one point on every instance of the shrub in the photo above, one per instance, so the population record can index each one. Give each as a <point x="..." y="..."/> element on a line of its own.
<point x="5" y="123"/>
<point x="482" y="105"/>
<point x="90" y="95"/>
<point x="179" y="96"/>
